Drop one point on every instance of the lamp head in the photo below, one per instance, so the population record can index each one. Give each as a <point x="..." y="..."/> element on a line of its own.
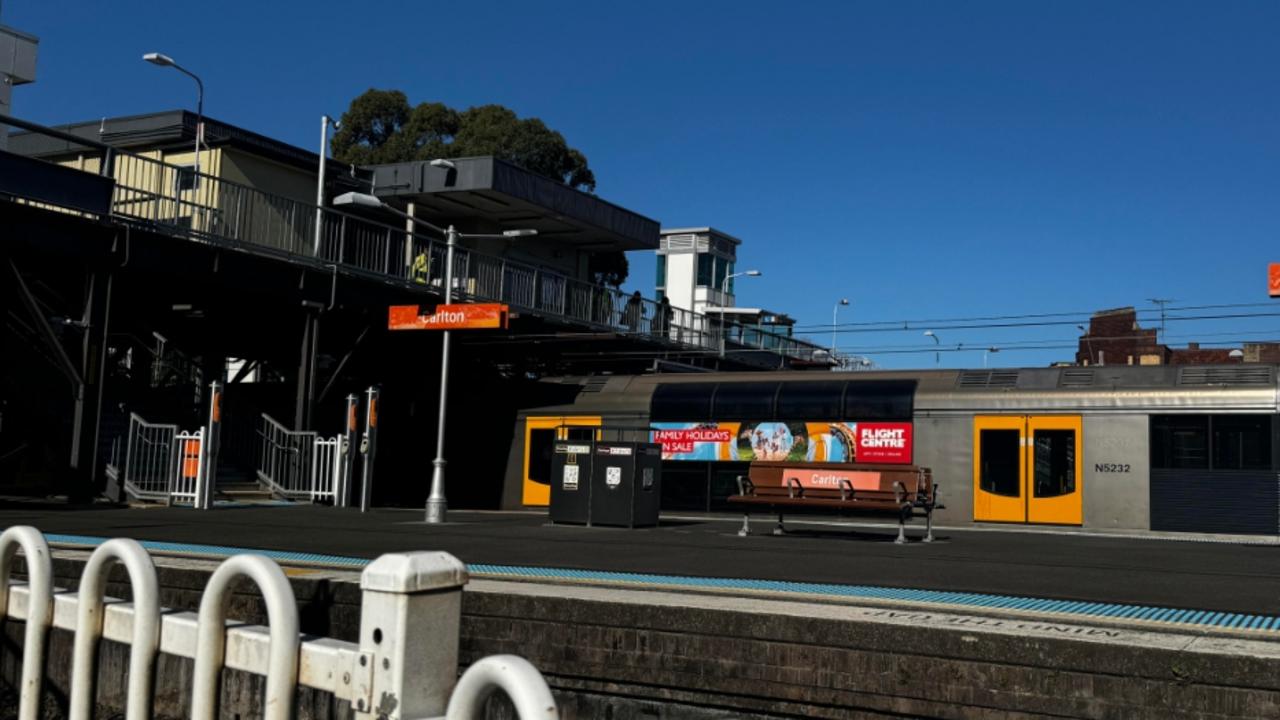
<point x="525" y="232"/>
<point x="1081" y="329"/>
<point x="844" y="301"/>
<point x="928" y="333"/>
<point x="159" y="59"/>
<point x="754" y="273"/>
<point x="357" y="199"/>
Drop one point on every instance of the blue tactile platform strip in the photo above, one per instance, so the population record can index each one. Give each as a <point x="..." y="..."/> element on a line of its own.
<point x="796" y="590"/>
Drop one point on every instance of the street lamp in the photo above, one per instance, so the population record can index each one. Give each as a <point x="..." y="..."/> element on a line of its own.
<point x="436" y="504"/>
<point x="165" y="61"/>
<point x="834" y="310"/>
<point x="325" y="122"/>
<point x="1088" y="342"/>
<point x="992" y="349"/>
<point x="724" y="290"/>
<point x="937" y="356"/>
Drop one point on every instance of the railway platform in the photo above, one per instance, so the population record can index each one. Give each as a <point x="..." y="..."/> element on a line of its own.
<point x="832" y="620"/>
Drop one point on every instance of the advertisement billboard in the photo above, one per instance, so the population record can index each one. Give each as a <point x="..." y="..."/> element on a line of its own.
<point x="864" y="442"/>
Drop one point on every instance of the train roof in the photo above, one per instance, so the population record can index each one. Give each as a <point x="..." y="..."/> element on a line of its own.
<point x="1250" y="386"/>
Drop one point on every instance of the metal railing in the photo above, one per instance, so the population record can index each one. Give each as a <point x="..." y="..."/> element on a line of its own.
<point x="174" y="199"/>
<point x="301" y="465"/>
<point x="150" y="460"/>
<point x="404" y="666"/>
<point x="287" y="458"/>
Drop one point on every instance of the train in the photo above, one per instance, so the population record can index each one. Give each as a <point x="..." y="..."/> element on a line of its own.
<point x="1145" y="448"/>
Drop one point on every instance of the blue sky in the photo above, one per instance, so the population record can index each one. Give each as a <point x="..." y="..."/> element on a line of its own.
<point x="927" y="160"/>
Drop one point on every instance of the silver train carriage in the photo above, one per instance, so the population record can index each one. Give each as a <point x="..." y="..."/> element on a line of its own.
<point x="1138" y="448"/>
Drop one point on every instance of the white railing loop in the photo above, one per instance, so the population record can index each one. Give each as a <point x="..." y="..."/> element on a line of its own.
<point x="211" y="639"/>
<point x="145" y="644"/>
<point x="39" y="615"/>
<point x="512" y="674"/>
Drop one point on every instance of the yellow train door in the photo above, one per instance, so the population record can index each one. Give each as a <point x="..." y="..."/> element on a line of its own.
<point x="1028" y="469"/>
<point x="540" y="434"/>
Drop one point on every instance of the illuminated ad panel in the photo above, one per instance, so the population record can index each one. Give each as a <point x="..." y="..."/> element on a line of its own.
<point x="861" y="442"/>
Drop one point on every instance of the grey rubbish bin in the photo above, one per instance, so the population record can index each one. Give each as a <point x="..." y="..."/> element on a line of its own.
<point x="571" y="482"/>
<point x="626" y="483"/>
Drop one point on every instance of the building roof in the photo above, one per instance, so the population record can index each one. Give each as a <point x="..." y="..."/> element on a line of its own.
<point x="701" y="231"/>
<point x="171" y="128"/>
<point x="493" y="190"/>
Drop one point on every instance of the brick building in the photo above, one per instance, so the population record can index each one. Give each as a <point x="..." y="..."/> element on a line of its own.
<point x="1114" y="337"/>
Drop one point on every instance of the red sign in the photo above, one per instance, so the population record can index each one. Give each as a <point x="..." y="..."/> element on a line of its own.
<point x="681" y="441"/>
<point x="448" y="317"/>
<point x="831" y="479"/>
<point x="1273" y="272"/>
<point x="884" y="443"/>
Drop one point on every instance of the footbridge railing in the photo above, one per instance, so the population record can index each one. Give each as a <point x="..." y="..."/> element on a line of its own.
<point x="176" y="200"/>
<point x="404" y="665"/>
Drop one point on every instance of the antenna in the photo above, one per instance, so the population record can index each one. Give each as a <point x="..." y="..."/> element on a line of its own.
<point x="1161" y="302"/>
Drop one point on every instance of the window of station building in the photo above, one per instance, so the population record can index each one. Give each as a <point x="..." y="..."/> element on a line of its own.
<point x="1241" y="442"/>
<point x="813" y="401"/>
<point x="744" y="401"/>
<point x="186" y="178"/>
<point x="662" y="272"/>
<point x="879" y="400"/>
<point x="682" y="402"/>
<point x="706" y="269"/>
<point x="722" y="271"/>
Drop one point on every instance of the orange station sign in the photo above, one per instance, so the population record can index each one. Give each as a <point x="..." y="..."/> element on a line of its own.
<point x="1273" y="275"/>
<point x="492" y="316"/>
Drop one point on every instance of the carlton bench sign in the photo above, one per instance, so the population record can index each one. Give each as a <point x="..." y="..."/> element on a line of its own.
<point x="493" y="316"/>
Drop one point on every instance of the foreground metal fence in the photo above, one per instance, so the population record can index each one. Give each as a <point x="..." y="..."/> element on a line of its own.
<point x="175" y="199"/>
<point x="405" y="665"/>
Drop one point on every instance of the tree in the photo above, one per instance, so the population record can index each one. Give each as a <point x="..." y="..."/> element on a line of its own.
<point x="381" y="127"/>
<point x="609" y="268"/>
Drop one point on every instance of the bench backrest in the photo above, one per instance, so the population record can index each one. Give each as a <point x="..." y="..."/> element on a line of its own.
<point x="841" y="479"/>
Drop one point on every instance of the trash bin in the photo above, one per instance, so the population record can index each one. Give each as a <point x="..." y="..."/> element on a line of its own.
<point x="626" y="483"/>
<point x="571" y="482"/>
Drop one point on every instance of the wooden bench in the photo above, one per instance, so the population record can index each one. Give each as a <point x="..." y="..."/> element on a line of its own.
<point x="895" y="490"/>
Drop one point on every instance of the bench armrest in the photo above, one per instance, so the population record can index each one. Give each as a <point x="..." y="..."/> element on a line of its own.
<point x="846" y="489"/>
<point x="899" y="491"/>
<point x="745" y="486"/>
<point x="794" y="488"/>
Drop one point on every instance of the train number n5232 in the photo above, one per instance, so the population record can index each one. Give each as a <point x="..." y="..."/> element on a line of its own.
<point x="1111" y="467"/>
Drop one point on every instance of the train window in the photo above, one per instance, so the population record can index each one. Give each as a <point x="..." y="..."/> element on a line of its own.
<point x="999" y="451"/>
<point x="541" y="443"/>
<point x="1241" y="442"/>
<point x="744" y="401"/>
<point x="682" y="402"/>
<point x="879" y="400"/>
<point x="810" y="400"/>
<point x="1055" y="463"/>
<point x="1180" y="442"/>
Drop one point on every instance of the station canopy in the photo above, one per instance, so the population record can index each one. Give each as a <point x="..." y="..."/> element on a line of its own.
<point x="496" y="195"/>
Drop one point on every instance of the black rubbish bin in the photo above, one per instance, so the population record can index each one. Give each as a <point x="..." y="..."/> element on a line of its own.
<point x="571" y="482"/>
<point x="626" y="484"/>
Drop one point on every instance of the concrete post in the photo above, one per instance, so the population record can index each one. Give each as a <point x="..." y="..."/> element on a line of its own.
<point x="410" y="614"/>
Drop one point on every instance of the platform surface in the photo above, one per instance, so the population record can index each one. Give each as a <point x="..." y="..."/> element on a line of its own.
<point x="1179" y="574"/>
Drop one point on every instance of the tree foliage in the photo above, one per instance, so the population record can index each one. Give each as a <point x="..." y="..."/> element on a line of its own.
<point x="380" y="126"/>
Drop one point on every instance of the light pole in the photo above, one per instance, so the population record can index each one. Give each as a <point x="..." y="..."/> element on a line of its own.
<point x="984" y="354"/>
<point x="325" y="122"/>
<point x="163" y="60"/>
<point x="937" y="355"/>
<point x="834" y="310"/>
<point x="724" y="290"/>
<point x="1088" y="342"/>
<point x="436" y="504"/>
